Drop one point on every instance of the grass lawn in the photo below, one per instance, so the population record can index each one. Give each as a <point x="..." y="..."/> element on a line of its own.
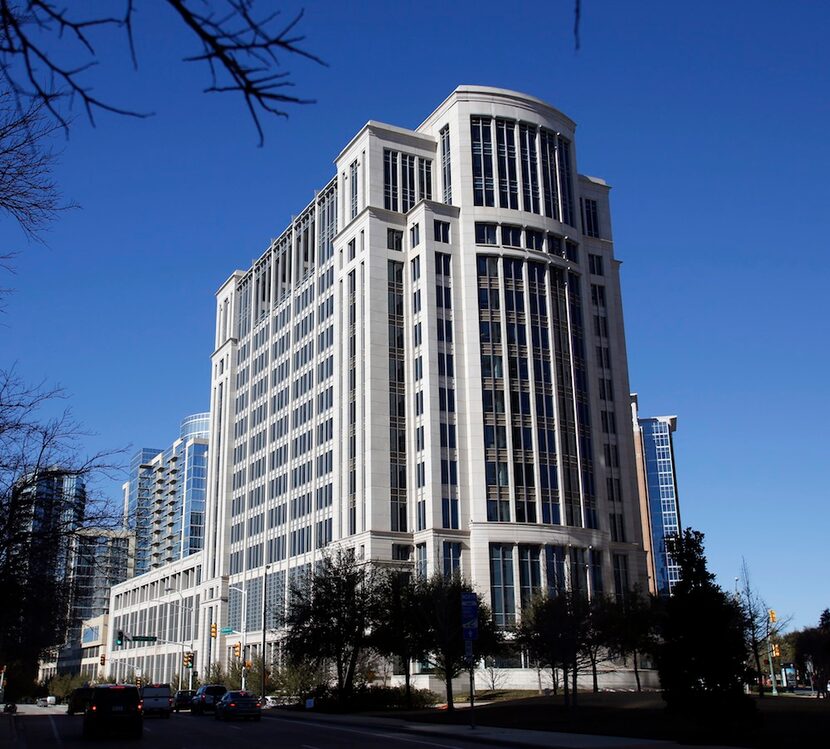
<point x="779" y="722"/>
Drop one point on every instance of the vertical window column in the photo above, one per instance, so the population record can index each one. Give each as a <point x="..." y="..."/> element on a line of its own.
<point x="446" y="168"/>
<point x="397" y="398"/>
<point x="482" y="152"/>
<point x="446" y="391"/>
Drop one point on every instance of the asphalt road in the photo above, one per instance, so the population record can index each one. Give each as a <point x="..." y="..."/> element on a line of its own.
<point x="51" y="727"/>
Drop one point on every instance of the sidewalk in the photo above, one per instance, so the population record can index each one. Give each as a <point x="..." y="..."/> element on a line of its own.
<point x="511" y="737"/>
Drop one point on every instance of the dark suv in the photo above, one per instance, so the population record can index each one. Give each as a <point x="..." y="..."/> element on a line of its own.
<point x="114" y="706"/>
<point x="183" y="699"/>
<point x="78" y="700"/>
<point x="206" y="697"/>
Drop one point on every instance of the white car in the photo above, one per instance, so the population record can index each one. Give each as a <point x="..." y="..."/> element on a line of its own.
<point x="158" y="699"/>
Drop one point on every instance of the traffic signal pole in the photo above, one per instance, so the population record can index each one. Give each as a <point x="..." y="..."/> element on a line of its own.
<point x="770" y="619"/>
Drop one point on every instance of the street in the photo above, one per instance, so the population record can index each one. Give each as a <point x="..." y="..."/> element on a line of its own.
<point x="37" y="728"/>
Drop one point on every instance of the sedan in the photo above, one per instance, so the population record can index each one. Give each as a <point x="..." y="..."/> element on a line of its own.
<point x="238" y="705"/>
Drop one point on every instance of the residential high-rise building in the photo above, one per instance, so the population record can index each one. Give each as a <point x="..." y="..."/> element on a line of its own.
<point x="164" y="499"/>
<point x="427" y="367"/>
<point x="45" y="514"/>
<point x="659" y="505"/>
<point x="103" y="558"/>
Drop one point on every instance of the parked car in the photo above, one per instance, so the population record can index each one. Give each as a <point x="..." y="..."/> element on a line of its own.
<point x="182" y="699"/>
<point x="78" y="700"/>
<point x="206" y="697"/>
<point x="114" y="707"/>
<point x="158" y="700"/>
<point x="235" y="705"/>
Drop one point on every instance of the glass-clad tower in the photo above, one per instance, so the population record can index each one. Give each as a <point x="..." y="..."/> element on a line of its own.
<point x="659" y="504"/>
<point x="428" y="366"/>
<point x="164" y="498"/>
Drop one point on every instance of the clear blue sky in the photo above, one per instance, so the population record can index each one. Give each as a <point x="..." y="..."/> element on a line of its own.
<point x="709" y="119"/>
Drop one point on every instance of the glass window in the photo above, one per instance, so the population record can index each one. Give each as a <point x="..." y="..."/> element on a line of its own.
<point x="394" y="239"/>
<point x="486" y="233"/>
<point x="482" y="147"/>
<point x="590" y="217"/>
<point x="534" y="240"/>
<point x="511" y="236"/>
<point x="501" y="585"/>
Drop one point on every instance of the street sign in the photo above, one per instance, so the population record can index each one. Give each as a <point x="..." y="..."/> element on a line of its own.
<point x="144" y="638"/>
<point x="469" y="616"/>
<point x="226" y="631"/>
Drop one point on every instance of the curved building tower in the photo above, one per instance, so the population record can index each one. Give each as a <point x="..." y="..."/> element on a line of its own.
<point x="428" y="366"/>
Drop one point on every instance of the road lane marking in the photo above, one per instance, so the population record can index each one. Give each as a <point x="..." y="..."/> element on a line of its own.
<point x="55" y="731"/>
<point x="372" y="733"/>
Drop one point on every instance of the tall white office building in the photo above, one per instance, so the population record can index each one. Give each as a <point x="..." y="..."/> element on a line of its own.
<point x="428" y="365"/>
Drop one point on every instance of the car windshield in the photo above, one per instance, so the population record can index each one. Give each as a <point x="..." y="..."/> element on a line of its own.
<point x="156" y="692"/>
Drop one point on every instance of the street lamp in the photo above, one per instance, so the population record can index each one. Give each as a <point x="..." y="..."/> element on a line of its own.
<point x="244" y="628"/>
<point x="264" y="609"/>
<point x="182" y="608"/>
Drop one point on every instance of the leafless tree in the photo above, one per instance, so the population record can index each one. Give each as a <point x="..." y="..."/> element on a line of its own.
<point x="47" y="50"/>
<point x="759" y="628"/>
<point x="28" y="192"/>
<point x="39" y="534"/>
<point x="494" y="677"/>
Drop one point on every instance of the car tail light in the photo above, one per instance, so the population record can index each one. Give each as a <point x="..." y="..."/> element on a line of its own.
<point x="233" y="704"/>
<point x="93" y="708"/>
<point x="141" y="704"/>
<point x="170" y="700"/>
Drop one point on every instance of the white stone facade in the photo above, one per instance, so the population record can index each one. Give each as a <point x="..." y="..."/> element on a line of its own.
<point x="427" y="366"/>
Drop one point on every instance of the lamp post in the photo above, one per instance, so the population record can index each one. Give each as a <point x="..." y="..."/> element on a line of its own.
<point x="264" y="609"/>
<point x="244" y="629"/>
<point x="183" y="608"/>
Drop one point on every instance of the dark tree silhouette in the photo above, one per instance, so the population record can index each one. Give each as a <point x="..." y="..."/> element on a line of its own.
<point x="400" y="629"/>
<point x="551" y="629"/>
<point x="702" y="657"/>
<point x="441" y="597"/>
<point x="47" y="50"/>
<point x="38" y="533"/>
<point x="812" y="652"/>
<point x="632" y="625"/>
<point x="330" y="615"/>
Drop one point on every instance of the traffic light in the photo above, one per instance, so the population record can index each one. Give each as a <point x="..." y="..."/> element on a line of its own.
<point x="776" y="651"/>
<point x="119" y="637"/>
<point x="237" y="649"/>
<point x="249" y="665"/>
<point x="138" y="681"/>
<point x="772" y="616"/>
<point x="213" y="630"/>
<point x="187" y="659"/>
<point x="103" y="660"/>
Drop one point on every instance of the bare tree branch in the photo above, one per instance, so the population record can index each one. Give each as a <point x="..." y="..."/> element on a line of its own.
<point x="240" y="48"/>
<point x="27" y="189"/>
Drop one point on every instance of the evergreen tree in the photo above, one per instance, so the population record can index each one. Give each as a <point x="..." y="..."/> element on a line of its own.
<point x="702" y="657"/>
